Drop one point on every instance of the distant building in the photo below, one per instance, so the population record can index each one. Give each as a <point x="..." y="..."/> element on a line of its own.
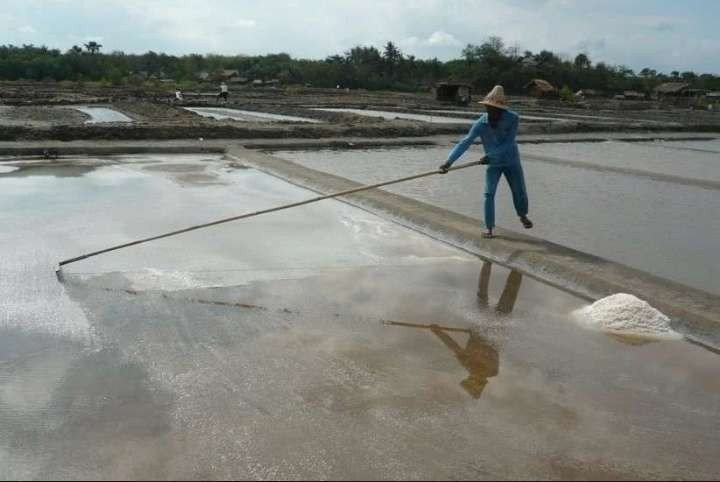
<point x="672" y="89"/>
<point x="541" y="88"/>
<point x="457" y="92"/>
<point x="202" y="76"/>
<point x="257" y="83"/>
<point x="229" y="76"/>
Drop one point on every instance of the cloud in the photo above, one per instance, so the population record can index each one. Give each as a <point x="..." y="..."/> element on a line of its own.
<point x="28" y="29"/>
<point x="244" y="23"/>
<point x="443" y="39"/>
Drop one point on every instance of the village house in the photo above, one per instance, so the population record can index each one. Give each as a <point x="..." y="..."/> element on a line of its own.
<point x="540" y="88"/>
<point x="457" y="92"/>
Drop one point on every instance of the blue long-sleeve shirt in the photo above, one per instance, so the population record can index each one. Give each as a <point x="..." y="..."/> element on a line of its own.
<point x="499" y="142"/>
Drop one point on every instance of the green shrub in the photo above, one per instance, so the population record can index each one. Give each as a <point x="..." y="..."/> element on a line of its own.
<point x="567" y="95"/>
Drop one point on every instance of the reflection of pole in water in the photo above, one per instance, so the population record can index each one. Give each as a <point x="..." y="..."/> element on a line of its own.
<point x="507" y="300"/>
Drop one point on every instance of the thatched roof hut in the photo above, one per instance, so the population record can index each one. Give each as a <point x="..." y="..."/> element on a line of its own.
<point x="540" y="88"/>
<point x="676" y="89"/>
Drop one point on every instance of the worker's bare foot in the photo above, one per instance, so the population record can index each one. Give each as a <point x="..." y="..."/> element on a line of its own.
<point x="488" y="234"/>
<point x="526" y="222"/>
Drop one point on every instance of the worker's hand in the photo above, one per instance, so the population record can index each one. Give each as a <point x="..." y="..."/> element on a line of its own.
<point x="444" y="168"/>
<point x="484" y="161"/>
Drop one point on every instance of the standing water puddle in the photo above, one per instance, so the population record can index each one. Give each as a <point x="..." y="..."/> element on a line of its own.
<point x="562" y="117"/>
<point x="221" y="113"/>
<point x="399" y="115"/>
<point x="103" y="115"/>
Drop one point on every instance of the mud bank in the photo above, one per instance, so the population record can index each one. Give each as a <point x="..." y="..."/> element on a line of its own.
<point x="171" y="146"/>
<point x="387" y="129"/>
<point x="584" y="275"/>
<point x="148" y="132"/>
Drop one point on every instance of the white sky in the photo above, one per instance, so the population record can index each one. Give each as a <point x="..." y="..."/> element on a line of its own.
<point x="659" y="34"/>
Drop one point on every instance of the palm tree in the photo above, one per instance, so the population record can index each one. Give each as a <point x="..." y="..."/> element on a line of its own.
<point x="93" y="47"/>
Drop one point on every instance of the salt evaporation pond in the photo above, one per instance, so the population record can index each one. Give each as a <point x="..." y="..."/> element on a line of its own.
<point x="560" y="117"/>
<point x="221" y="113"/>
<point x="651" y="157"/>
<point x="399" y="115"/>
<point x="207" y="355"/>
<point x="475" y="115"/>
<point x="103" y="115"/>
<point x="666" y="228"/>
<point x="709" y="146"/>
<point x="564" y="117"/>
<point x="7" y="169"/>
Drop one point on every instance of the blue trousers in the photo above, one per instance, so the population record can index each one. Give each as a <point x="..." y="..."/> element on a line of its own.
<point x="516" y="179"/>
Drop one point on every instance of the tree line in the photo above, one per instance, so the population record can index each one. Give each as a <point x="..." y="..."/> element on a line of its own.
<point x="364" y="67"/>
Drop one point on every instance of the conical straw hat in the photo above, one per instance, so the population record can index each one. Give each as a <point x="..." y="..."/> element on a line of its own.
<point x="496" y="98"/>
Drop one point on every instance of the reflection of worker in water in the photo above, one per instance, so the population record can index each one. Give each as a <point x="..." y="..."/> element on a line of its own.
<point x="506" y="303"/>
<point x="478" y="357"/>
<point x="223" y="93"/>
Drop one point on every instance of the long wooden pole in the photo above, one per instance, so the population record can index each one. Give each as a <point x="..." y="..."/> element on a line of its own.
<point x="424" y="327"/>
<point x="259" y="213"/>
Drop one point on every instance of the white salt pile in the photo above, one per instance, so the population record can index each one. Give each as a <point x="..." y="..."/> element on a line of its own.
<point x="627" y="315"/>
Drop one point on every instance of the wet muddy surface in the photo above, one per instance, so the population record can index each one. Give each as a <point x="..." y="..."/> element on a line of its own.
<point x="43" y="110"/>
<point x="318" y="343"/>
<point x="659" y="226"/>
<point x="36" y="116"/>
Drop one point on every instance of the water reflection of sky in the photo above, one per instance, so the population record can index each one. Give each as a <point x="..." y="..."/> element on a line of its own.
<point x="661" y="227"/>
<point x="214" y="377"/>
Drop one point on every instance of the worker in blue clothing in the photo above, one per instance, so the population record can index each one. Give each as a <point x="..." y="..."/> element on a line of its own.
<point x="497" y="130"/>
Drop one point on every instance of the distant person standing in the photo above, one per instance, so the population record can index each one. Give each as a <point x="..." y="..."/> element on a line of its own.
<point x="223" y="92"/>
<point x="497" y="129"/>
<point x="178" y="96"/>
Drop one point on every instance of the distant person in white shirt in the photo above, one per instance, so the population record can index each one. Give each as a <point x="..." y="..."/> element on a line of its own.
<point x="223" y="92"/>
<point x="178" y="96"/>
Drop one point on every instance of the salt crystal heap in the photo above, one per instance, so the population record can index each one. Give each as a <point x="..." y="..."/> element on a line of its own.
<point x="627" y="315"/>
